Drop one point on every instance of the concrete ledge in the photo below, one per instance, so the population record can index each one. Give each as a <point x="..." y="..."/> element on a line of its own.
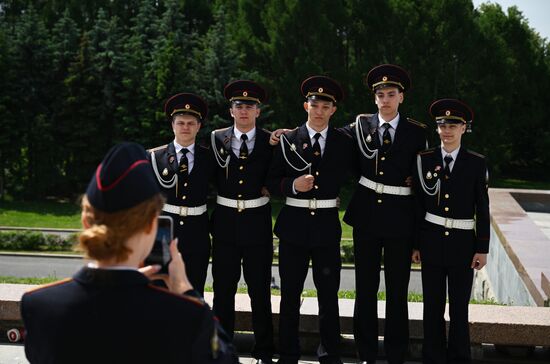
<point x="489" y="324"/>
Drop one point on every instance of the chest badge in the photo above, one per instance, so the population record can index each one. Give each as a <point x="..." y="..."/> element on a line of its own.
<point x="429" y="175"/>
<point x="171" y="160"/>
<point x="165" y="172"/>
<point x="368" y="139"/>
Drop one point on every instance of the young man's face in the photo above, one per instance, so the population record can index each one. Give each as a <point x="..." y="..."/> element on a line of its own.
<point x="185" y="128"/>
<point x="388" y="99"/>
<point x="451" y="134"/>
<point x="244" y="115"/>
<point x="319" y="112"/>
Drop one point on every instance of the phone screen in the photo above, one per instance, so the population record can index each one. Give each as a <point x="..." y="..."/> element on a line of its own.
<point x="160" y="254"/>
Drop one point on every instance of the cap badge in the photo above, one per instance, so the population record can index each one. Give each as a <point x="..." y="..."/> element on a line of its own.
<point x="320" y="89"/>
<point x="245" y="94"/>
<point x="187" y="106"/>
<point x="165" y="172"/>
<point x="385" y="78"/>
<point x="448" y="112"/>
<point x="429" y="175"/>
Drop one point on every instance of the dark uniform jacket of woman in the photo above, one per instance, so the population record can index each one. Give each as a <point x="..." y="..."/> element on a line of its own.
<point x="386" y="213"/>
<point x="301" y="225"/>
<point x="243" y="179"/>
<point x="462" y="196"/>
<point x="192" y="231"/>
<point x="116" y="316"/>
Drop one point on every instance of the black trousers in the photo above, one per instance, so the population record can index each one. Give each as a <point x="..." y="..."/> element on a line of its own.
<point x="226" y="272"/>
<point x="196" y="267"/>
<point x="293" y="267"/>
<point x="397" y="267"/>
<point x="435" y="279"/>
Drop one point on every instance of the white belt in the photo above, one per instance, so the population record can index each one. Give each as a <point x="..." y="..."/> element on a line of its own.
<point x="463" y="224"/>
<point x="184" y="210"/>
<point x="381" y="188"/>
<point x="312" y="204"/>
<point x="242" y="204"/>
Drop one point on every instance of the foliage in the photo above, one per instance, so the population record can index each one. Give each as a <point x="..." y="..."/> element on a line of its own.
<point x="34" y="241"/>
<point x="78" y="76"/>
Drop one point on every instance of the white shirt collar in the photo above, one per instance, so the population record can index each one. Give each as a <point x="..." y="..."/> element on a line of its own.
<point x="250" y="134"/>
<point x="312" y="132"/>
<point x="393" y="122"/>
<point x="453" y="154"/>
<point x="93" y="265"/>
<point x="190" y="148"/>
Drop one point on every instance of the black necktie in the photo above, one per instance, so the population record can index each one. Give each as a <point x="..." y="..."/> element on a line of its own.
<point x="316" y="149"/>
<point x="386" y="138"/>
<point x="183" y="169"/>
<point x="448" y="159"/>
<point x="243" y="152"/>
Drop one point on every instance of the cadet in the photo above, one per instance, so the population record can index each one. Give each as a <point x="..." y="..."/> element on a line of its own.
<point x="453" y="238"/>
<point x="308" y="169"/>
<point x="183" y="170"/>
<point x="109" y="312"/>
<point x="241" y="221"/>
<point x="381" y="212"/>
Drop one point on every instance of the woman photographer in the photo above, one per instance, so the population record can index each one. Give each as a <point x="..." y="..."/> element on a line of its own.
<point x="109" y="312"/>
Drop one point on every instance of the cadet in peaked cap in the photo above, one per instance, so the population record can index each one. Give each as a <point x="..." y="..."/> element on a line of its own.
<point x="241" y="220"/>
<point x="183" y="169"/>
<point x="110" y="303"/>
<point x="388" y="75"/>
<point x="309" y="169"/>
<point x="453" y="237"/>
<point x="381" y="212"/>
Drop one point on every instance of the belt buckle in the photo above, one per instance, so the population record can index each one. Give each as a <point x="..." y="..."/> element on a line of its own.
<point x="313" y="204"/>
<point x="379" y="188"/>
<point x="240" y="205"/>
<point x="449" y="223"/>
<point x="183" y="210"/>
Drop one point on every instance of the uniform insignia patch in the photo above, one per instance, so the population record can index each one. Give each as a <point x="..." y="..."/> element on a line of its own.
<point x="171" y="160"/>
<point x="165" y="172"/>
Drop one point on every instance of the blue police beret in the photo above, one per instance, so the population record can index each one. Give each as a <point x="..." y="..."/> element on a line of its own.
<point x="122" y="180"/>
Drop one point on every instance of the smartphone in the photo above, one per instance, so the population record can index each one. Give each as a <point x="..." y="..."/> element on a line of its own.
<point x="160" y="254"/>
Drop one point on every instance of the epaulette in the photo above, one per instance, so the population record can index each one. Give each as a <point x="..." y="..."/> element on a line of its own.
<point x="476" y="154"/>
<point x="48" y="285"/>
<point x="417" y="123"/>
<point x="221" y="130"/>
<point x="427" y="151"/>
<point x="157" y="148"/>
<point x="184" y="297"/>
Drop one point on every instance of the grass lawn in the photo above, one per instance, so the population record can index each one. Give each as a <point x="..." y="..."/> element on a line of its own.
<point x="51" y="214"/>
<point x="519" y="183"/>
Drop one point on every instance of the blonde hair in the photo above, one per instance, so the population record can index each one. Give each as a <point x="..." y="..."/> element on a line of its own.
<point x="106" y="236"/>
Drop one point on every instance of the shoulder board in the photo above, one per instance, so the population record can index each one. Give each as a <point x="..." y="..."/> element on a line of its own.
<point x="221" y="130"/>
<point x="427" y="151"/>
<point x="183" y="297"/>
<point x="417" y="123"/>
<point x="53" y="284"/>
<point x="476" y="154"/>
<point x="157" y="148"/>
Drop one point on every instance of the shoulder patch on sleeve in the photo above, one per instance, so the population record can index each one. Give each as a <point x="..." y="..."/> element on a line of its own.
<point x="157" y="148"/>
<point x="427" y="151"/>
<point x="191" y="299"/>
<point x="417" y="123"/>
<point x="53" y="284"/>
<point x="476" y="154"/>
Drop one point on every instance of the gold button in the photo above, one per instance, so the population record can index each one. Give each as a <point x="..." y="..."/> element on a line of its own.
<point x="446" y="209"/>
<point x="241" y="182"/>
<point x="183" y="197"/>
<point x="181" y="222"/>
<point x="381" y="173"/>
<point x="446" y="195"/>
<point x="446" y="233"/>
<point x="316" y="187"/>
<point x="379" y="201"/>
<point x="241" y="168"/>
<point x="312" y="213"/>
<point x="239" y="196"/>
<point x="317" y="173"/>
<point x="383" y="158"/>
<point x="185" y="184"/>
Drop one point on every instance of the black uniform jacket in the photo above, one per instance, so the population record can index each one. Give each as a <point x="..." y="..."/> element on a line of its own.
<point x="302" y="225"/>
<point x="116" y="316"/>
<point x="192" y="231"/>
<point x="388" y="215"/>
<point x="463" y="196"/>
<point x="243" y="179"/>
